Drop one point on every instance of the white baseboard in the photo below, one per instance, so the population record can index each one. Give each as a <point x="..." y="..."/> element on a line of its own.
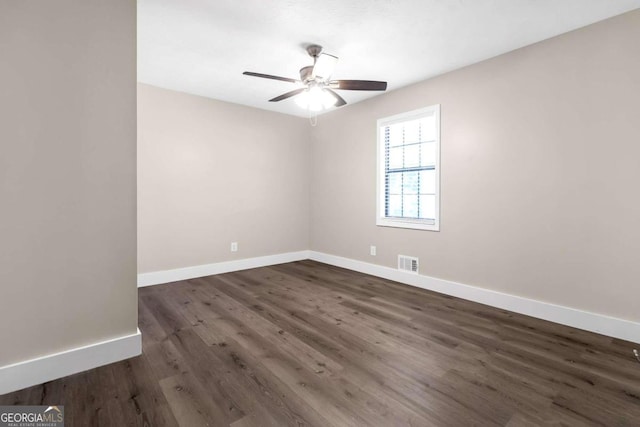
<point x="46" y="368"/>
<point x="167" y="276"/>
<point x="593" y="322"/>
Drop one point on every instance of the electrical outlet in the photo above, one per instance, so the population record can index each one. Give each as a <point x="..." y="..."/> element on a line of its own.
<point x="372" y="250"/>
<point x="234" y="246"/>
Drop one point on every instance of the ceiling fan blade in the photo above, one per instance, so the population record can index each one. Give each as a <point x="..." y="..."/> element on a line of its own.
<point x="358" y="85"/>
<point x="288" y="95"/>
<point x="340" y="99"/>
<point x="269" y="76"/>
<point x="324" y="66"/>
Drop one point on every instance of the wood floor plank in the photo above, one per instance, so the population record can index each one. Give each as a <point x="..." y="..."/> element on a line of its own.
<point x="366" y="367"/>
<point x="240" y="370"/>
<point x="139" y="394"/>
<point x="191" y="405"/>
<point x="295" y="324"/>
<point x="308" y="344"/>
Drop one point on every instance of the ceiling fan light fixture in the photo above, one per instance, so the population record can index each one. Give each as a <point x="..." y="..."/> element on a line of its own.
<point x="316" y="99"/>
<point x="315" y="90"/>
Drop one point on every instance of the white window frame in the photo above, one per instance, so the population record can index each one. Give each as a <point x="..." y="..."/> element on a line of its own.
<point x="381" y="218"/>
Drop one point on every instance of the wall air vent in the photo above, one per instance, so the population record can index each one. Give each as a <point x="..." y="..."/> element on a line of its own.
<point x="408" y="264"/>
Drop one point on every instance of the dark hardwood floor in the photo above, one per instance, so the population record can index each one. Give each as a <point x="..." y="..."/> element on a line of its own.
<point x="309" y="344"/>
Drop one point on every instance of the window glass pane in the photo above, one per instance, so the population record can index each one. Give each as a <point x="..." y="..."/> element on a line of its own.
<point x="410" y="206"/>
<point x="395" y="135"/>
<point x="394" y="183"/>
<point x="428" y="182"/>
<point x="428" y="128"/>
<point x="395" y="157"/>
<point x="409" y="188"/>
<point x="394" y="205"/>
<point x="427" y="206"/>
<point x="412" y="131"/>
<point x="411" y="182"/>
<point x="412" y="156"/>
<point x="428" y="154"/>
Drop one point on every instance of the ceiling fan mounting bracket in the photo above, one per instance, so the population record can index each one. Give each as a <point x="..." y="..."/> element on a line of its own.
<point x="314" y="50"/>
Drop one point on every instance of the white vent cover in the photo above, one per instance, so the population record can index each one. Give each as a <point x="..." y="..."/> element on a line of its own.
<point x="407" y="263"/>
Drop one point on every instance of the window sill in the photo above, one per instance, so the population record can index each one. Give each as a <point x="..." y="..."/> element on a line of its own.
<point x="406" y="223"/>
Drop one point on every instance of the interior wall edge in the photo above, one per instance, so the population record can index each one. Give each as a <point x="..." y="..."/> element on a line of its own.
<point x="57" y="365"/>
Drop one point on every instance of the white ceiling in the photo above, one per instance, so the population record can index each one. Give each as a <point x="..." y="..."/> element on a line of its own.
<point x="203" y="46"/>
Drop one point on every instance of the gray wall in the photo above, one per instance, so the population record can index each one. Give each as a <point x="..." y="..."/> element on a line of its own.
<point x="211" y="172"/>
<point x="67" y="175"/>
<point x="540" y="173"/>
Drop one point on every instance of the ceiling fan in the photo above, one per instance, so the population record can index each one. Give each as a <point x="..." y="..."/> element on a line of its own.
<point x="318" y="91"/>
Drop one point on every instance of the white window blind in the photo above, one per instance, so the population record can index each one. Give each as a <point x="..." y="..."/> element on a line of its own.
<point x="408" y="169"/>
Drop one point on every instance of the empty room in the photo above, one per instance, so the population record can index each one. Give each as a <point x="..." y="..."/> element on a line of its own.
<point x="337" y="213"/>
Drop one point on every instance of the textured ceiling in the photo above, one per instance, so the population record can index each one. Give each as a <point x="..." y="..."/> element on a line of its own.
<point x="203" y="46"/>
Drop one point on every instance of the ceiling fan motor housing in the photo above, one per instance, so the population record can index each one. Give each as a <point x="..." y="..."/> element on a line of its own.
<point x="306" y="73"/>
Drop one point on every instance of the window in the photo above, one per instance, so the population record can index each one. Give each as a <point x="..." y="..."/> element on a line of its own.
<point x="409" y="170"/>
